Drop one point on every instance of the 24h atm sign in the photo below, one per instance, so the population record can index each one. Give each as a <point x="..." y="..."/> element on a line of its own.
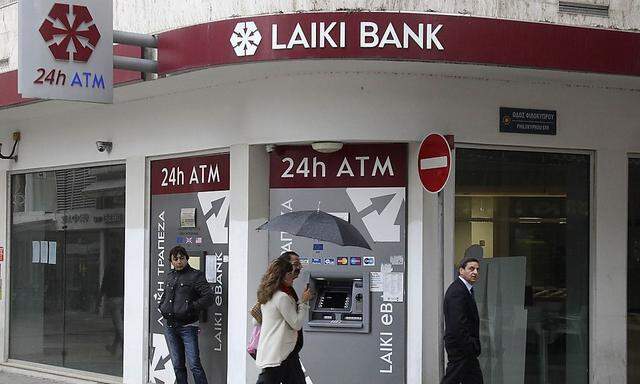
<point x="66" y="50"/>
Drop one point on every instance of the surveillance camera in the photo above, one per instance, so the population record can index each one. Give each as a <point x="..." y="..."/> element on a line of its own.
<point x="104" y="146"/>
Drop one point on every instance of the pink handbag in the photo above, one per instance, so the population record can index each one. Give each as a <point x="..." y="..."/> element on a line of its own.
<point x="252" y="347"/>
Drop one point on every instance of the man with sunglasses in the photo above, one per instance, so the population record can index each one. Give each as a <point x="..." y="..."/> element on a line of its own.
<point x="186" y="294"/>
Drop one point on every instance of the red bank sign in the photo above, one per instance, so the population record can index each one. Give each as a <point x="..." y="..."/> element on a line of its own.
<point x="399" y="36"/>
<point x="311" y="35"/>
<point x="190" y="174"/>
<point x="246" y="37"/>
<point x="355" y="165"/>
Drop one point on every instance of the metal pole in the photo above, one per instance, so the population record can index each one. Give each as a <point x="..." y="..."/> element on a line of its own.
<point x="135" y="64"/>
<point x="138" y="39"/>
<point x="150" y="54"/>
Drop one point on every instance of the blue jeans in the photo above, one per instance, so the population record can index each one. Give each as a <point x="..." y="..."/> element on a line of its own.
<point x="183" y="340"/>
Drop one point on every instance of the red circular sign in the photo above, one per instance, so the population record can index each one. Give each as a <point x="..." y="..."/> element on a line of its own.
<point x="434" y="162"/>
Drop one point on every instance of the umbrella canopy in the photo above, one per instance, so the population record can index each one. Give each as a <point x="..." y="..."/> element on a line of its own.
<point x="317" y="225"/>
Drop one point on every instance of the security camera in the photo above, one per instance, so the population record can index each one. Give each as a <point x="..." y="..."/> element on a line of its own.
<point x="104" y="146"/>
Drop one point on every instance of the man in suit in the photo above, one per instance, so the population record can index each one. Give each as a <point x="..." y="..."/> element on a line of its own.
<point x="462" y="327"/>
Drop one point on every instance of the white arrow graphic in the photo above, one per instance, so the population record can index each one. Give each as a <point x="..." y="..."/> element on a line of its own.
<point x="215" y="206"/>
<point x="379" y="208"/>
<point x="161" y="368"/>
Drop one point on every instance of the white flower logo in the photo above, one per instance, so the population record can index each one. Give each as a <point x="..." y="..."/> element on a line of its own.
<point x="245" y="38"/>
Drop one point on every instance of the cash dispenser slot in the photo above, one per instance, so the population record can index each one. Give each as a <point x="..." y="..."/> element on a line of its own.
<point x="341" y="303"/>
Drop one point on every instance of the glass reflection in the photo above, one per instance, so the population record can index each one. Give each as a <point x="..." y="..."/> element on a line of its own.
<point x="67" y="247"/>
<point x="526" y="214"/>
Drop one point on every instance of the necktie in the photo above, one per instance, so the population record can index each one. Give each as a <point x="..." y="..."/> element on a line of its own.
<point x="473" y="296"/>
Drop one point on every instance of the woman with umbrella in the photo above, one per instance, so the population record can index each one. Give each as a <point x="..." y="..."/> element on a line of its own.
<point x="281" y="320"/>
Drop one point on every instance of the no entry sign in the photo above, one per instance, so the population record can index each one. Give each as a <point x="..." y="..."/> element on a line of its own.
<point x="434" y="162"/>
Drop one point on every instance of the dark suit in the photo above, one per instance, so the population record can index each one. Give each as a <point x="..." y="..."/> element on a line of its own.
<point x="461" y="336"/>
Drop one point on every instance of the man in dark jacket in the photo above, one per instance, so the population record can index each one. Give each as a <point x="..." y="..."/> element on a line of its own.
<point x="462" y="327"/>
<point x="186" y="293"/>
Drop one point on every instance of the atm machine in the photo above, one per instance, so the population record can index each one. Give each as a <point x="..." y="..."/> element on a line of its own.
<point x="341" y="303"/>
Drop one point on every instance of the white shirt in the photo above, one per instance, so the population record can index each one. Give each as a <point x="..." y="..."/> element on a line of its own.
<point x="466" y="283"/>
<point x="281" y="321"/>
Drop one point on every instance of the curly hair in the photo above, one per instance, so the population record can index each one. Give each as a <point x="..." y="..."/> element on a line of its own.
<point x="273" y="279"/>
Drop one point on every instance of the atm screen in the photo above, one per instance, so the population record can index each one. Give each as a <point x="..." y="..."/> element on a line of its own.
<point x="334" y="299"/>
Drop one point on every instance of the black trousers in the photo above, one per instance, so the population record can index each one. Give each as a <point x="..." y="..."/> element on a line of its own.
<point x="463" y="371"/>
<point x="288" y="372"/>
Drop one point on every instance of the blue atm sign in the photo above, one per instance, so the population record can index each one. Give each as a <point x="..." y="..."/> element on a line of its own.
<point x="531" y="121"/>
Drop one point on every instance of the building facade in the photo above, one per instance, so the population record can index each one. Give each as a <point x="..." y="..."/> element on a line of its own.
<point x="221" y="141"/>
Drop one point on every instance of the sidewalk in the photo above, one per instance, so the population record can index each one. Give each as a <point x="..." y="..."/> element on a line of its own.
<point x="12" y="378"/>
<point x="15" y="378"/>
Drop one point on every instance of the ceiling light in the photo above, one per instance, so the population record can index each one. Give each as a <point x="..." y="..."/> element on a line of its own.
<point x="326" y="146"/>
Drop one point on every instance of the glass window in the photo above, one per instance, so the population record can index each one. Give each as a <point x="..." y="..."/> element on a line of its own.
<point x="67" y="276"/>
<point x="526" y="216"/>
<point x="633" y="270"/>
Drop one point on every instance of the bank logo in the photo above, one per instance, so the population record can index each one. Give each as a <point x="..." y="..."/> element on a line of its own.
<point x="84" y="40"/>
<point x="355" y="260"/>
<point x="330" y="261"/>
<point x="369" y="261"/>
<point x="245" y="39"/>
<point x="343" y="261"/>
<point x="316" y="261"/>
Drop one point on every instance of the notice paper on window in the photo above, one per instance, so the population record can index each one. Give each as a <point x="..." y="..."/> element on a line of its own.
<point x="393" y="287"/>
<point x="375" y="283"/>
<point x="210" y="268"/>
<point x="44" y="252"/>
<point x="52" y="252"/>
<point x="35" y="253"/>
<point x="187" y="217"/>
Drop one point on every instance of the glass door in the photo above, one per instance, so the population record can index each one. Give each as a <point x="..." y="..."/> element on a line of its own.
<point x="525" y="215"/>
<point x="67" y="268"/>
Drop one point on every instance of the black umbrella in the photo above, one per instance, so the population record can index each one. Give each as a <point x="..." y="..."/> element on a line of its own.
<point x="317" y="225"/>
